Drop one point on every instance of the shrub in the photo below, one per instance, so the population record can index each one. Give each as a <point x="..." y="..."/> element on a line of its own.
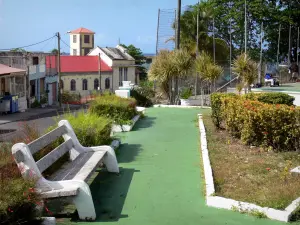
<point x="272" y="98"/>
<point x="186" y="93"/>
<point x="35" y="104"/>
<point x="260" y="124"/>
<point x="276" y="98"/>
<point x="216" y="106"/>
<point x="120" y="110"/>
<point x="143" y="94"/>
<point x="17" y="203"/>
<point x="90" y="129"/>
<point x="70" y="97"/>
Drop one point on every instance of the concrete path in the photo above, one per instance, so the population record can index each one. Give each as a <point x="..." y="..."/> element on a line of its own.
<point x="160" y="181"/>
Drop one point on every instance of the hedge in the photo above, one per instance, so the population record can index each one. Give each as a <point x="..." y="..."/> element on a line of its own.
<point x="276" y="126"/>
<point x="120" y="110"/>
<point x="272" y="98"/>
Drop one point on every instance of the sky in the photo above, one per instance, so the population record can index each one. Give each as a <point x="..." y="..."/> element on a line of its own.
<point x="24" y="22"/>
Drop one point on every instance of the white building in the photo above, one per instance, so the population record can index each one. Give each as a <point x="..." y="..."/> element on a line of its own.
<point x="120" y="61"/>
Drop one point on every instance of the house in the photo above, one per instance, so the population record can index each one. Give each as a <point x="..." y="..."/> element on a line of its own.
<point x="13" y="82"/>
<point x="81" y="41"/>
<point x="123" y="64"/>
<point x="35" y="66"/>
<point x="81" y="74"/>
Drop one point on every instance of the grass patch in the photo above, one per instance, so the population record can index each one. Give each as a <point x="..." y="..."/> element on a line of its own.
<point x="251" y="174"/>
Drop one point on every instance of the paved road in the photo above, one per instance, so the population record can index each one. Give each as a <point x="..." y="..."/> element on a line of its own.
<point x="9" y="131"/>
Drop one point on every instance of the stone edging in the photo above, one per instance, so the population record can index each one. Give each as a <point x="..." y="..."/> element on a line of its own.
<point x="226" y="203"/>
<point x="180" y="106"/>
<point x="116" y="128"/>
<point x="48" y="221"/>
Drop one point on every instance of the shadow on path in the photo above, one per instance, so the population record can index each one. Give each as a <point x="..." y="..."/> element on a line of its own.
<point x="146" y="122"/>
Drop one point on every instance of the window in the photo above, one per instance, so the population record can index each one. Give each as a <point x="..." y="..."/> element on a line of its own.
<point x="86" y="39"/>
<point x="35" y="60"/>
<point x="86" y="51"/>
<point x="96" y="84"/>
<point x="125" y="73"/>
<point x="107" y="83"/>
<point x="74" y="51"/>
<point x="74" y="38"/>
<point x="73" y="85"/>
<point x="84" y="84"/>
<point x="120" y="76"/>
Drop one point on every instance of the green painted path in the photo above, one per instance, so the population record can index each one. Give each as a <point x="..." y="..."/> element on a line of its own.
<point x="160" y="181"/>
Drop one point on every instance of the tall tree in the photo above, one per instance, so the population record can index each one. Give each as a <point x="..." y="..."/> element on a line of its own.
<point x="139" y="57"/>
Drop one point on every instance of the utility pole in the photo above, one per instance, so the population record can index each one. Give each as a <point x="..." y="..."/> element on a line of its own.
<point x="197" y="48"/>
<point x="59" y="71"/>
<point x="99" y="70"/>
<point x="246" y="26"/>
<point x="261" y="50"/>
<point x="178" y="25"/>
<point x="289" y="54"/>
<point x="230" y="55"/>
<point x="278" y="45"/>
<point x="298" y="50"/>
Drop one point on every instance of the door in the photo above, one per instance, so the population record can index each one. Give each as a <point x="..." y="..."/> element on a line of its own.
<point x="50" y="99"/>
<point x="54" y="91"/>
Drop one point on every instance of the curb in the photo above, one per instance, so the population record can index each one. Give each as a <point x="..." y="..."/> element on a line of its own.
<point x="226" y="203"/>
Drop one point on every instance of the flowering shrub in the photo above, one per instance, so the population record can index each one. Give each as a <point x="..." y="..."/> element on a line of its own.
<point x="120" y="110"/>
<point x="216" y="107"/>
<point x="275" y="126"/>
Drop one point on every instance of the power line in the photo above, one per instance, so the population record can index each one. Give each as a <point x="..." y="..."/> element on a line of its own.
<point x="66" y="44"/>
<point x="29" y="45"/>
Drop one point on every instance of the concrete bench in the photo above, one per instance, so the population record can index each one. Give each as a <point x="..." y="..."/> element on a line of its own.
<point x="70" y="180"/>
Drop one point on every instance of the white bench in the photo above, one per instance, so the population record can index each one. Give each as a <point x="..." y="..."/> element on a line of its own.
<point x="70" y="180"/>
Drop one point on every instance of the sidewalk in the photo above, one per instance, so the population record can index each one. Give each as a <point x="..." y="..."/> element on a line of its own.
<point x="35" y="113"/>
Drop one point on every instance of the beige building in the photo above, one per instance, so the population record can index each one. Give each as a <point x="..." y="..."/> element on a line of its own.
<point x="81" y="41"/>
<point x="122" y="64"/>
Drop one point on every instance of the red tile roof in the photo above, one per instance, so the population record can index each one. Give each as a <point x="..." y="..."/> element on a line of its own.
<point x="73" y="64"/>
<point x="82" y="30"/>
<point x="8" y="70"/>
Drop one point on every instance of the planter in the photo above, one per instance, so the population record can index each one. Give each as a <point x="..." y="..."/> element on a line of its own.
<point x="190" y="102"/>
<point x="116" y="128"/>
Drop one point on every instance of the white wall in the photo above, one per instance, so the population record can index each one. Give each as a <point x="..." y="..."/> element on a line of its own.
<point x="75" y="45"/>
<point x="104" y="57"/>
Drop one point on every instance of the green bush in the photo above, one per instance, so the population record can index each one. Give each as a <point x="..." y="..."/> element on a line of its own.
<point x="186" y="93"/>
<point x="70" y="97"/>
<point x="90" y="129"/>
<point x="216" y="102"/>
<point x="143" y="94"/>
<point x="255" y="123"/>
<point x="272" y="98"/>
<point x="120" y="110"/>
<point x="35" y="104"/>
<point x="17" y="197"/>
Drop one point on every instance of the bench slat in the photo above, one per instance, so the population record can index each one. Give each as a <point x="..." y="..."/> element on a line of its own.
<point x="81" y="168"/>
<point x="46" y="139"/>
<point x="54" y="155"/>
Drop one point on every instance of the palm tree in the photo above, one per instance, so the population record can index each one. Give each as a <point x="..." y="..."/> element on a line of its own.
<point x="246" y="69"/>
<point x="207" y="70"/>
<point x="168" y="66"/>
<point x="188" y="31"/>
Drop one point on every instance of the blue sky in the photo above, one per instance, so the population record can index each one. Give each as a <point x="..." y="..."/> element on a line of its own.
<point x="23" y="22"/>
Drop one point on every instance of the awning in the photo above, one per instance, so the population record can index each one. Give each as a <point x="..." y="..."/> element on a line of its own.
<point x="6" y="70"/>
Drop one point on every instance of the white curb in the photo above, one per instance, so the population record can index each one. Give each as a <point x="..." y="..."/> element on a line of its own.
<point x="226" y="203"/>
<point x="180" y="106"/>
